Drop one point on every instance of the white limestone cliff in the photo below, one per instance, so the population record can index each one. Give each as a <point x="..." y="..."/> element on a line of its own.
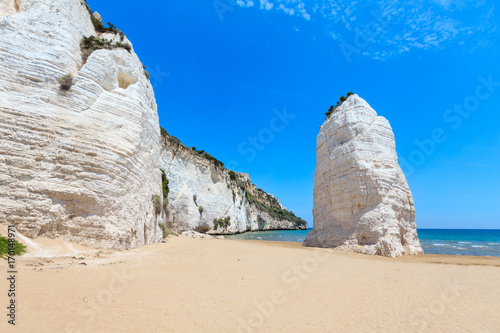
<point x="362" y="200"/>
<point x="84" y="164"/>
<point x="8" y="7"/>
<point x="80" y="164"/>
<point x="196" y="181"/>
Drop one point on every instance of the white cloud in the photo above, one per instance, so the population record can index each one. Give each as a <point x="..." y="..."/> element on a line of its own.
<point x="335" y="36"/>
<point x="265" y="4"/>
<point x="396" y="27"/>
<point x="289" y="7"/>
<point x="242" y="3"/>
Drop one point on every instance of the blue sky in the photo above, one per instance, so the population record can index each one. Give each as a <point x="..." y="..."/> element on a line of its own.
<point x="229" y="75"/>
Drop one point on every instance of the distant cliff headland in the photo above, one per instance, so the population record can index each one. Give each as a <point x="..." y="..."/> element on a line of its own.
<point x="206" y="197"/>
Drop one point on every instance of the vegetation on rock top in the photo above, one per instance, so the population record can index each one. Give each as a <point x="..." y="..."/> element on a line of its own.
<point x="277" y="211"/>
<point x="99" y="27"/>
<point x="92" y="43"/>
<point x="342" y="99"/>
<point x="208" y="157"/>
<point x="201" y="153"/>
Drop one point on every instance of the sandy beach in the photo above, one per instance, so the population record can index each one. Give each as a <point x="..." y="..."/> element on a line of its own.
<point x="210" y="285"/>
<point x="249" y="166"/>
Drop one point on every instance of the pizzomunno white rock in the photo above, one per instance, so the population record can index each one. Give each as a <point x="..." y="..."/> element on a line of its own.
<point x="362" y="200"/>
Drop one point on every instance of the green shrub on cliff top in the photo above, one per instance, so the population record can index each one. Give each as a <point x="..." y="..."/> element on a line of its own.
<point x="88" y="8"/>
<point x="98" y="26"/>
<point x="208" y="157"/>
<point x="92" y="43"/>
<point x="213" y="159"/>
<point x="279" y="213"/>
<point x="342" y="99"/>
<point x="172" y="139"/>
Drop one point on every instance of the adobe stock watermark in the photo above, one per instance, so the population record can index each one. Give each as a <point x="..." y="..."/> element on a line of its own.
<point x="454" y="117"/>
<point x="156" y="76"/>
<point x="11" y="274"/>
<point x="96" y="303"/>
<point x="253" y="144"/>
<point x="224" y="6"/>
<point x="291" y="280"/>
<point x="364" y="37"/>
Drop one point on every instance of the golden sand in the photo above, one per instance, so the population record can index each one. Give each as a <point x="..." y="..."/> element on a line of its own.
<point x="209" y="285"/>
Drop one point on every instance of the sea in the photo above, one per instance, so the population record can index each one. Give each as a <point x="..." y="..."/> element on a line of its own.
<point x="471" y="242"/>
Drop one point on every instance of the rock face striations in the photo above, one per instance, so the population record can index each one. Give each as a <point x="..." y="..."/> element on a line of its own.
<point x="361" y="198"/>
<point x="206" y="197"/>
<point x="80" y="146"/>
<point x="81" y="163"/>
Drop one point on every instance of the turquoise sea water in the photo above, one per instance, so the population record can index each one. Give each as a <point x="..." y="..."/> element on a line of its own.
<point x="440" y="241"/>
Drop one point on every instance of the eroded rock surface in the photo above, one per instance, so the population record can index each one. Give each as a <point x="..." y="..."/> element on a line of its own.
<point x="82" y="164"/>
<point x="202" y="192"/>
<point x="361" y="197"/>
